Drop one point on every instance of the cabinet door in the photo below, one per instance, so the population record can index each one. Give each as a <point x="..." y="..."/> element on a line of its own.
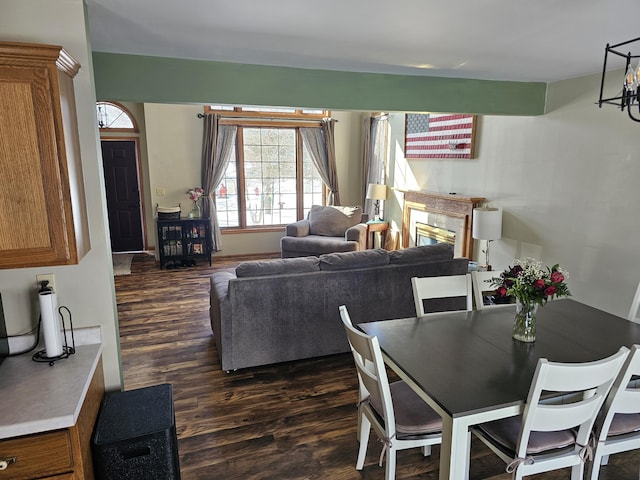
<point x="42" y="204"/>
<point x="38" y="455"/>
<point x="171" y="238"/>
<point x="196" y="238"/>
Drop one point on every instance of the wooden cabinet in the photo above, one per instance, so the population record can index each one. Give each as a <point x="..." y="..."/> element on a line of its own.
<point x="59" y="454"/>
<point x="184" y="240"/>
<point x="43" y="217"/>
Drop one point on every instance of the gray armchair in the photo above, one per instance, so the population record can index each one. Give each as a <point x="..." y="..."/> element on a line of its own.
<point x="325" y="230"/>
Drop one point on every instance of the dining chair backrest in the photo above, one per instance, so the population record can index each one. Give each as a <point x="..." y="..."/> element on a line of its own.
<point x="481" y="284"/>
<point x="594" y="379"/>
<point x="372" y="374"/>
<point x="618" y="428"/>
<point x="554" y="432"/>
<point x="633" y="311"/>
<point x="444" y="286"/>
<point x="397" y="414"/>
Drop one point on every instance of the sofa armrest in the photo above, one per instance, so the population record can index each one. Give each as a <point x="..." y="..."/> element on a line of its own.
<point x="298" y="229"/>
<point x="220" y="284"/>
<point x="357" y="233"/>
<point x="220" y="313"/>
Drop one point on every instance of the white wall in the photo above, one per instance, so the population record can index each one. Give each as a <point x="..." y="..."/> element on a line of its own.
<point x="86" y="289"/>
<point x="567" y="182"/>
<point x="348" y="141"/>
<point x="174" y="146"/>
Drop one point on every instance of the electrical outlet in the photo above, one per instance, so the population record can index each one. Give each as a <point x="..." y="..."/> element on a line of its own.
<point x="49" y="277"/>
<point x="160" y="191"/>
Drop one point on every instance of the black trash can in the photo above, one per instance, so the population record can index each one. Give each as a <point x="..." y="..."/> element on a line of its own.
<point x="135" y="436"/>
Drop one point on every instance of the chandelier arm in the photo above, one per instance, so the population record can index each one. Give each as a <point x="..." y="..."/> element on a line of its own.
<point x="623" y="43"/>
<point x="631" y="115"/>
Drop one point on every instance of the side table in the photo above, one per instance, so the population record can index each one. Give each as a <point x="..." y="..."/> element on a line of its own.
<point x="373" y="227"/>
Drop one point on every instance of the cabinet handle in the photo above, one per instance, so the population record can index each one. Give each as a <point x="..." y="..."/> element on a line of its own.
<point x="5" y="462"/>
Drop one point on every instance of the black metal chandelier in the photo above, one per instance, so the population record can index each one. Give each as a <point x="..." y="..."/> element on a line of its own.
<point x="628" y="98"/>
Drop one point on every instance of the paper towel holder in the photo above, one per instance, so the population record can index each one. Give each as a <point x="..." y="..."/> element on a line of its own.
<point x="41" y="356"/>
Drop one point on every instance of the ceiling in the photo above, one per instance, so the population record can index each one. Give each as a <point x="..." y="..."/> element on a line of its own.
<point x="539" y="40"/>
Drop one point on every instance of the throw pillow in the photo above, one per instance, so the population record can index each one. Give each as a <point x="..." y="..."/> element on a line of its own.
<point x="424" y="253"/>
<point x="261" y="268"/>
<point x="333" y="221"/>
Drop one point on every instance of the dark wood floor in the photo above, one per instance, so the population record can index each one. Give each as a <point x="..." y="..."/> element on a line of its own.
<point x="290" y="421"/>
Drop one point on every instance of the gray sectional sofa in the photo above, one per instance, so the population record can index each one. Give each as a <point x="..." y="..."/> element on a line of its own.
<point x="287" y="309"/>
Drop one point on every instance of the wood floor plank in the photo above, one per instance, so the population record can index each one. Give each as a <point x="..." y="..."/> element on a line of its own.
<point x="292" y="421"/>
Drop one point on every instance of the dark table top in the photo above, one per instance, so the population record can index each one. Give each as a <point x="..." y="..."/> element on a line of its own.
<point x="468" y="363"/>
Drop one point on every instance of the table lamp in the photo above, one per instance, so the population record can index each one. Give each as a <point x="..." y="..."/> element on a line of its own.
<point x="376" y="192"/>
<point x="487" y="225"/>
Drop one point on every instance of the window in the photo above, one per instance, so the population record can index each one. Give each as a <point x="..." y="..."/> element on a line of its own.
<point x="114" y="117"/>
<point x="273" y="180"/>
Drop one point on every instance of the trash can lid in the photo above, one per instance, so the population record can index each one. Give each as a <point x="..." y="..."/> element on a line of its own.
<point x="134" y="413"/>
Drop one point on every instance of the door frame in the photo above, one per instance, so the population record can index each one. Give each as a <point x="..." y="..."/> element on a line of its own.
<point x="136" y="141"/>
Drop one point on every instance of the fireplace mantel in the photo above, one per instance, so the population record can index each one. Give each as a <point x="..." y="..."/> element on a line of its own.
<point x="448" y="204"/>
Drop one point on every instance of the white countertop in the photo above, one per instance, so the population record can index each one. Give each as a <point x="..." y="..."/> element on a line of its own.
<point x="36" y="397"/>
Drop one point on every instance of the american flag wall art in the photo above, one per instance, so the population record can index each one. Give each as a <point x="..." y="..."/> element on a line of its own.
<point x="437" y="135"/>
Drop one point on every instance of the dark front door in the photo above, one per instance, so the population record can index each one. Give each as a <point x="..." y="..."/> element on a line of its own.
<point x="123" y="195"/>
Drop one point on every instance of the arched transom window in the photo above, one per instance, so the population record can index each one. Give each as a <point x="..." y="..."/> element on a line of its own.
<point x="112" y="116"/>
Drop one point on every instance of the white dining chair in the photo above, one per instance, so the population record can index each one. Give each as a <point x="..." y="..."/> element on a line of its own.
<point x="618" y="427"/>
<point x="400" y="418"/>
<point x="550" y="435"/>
<point x="633" y="311"/>
<point x="481" y="284"/>
<point x="444" y="286"/>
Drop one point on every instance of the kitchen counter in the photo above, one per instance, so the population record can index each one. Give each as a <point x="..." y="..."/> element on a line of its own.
<point x="36" y="397"/>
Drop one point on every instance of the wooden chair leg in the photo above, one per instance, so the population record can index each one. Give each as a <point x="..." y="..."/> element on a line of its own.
<point x="365" y="429"/>
<point x="577" y="471"/>
<point x="390" y="468"/>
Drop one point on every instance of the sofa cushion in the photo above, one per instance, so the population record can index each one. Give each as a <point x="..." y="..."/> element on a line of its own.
<point x="353" y="260"/>
<point x="315" y="245"/>
<point x="276" y="267"/>
<point x="332" y="221"/>
<point x="424" y="253"/>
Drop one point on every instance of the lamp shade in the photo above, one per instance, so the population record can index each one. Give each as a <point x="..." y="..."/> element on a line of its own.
<point x="487" y="223"/>
<point x="376" y="191"/>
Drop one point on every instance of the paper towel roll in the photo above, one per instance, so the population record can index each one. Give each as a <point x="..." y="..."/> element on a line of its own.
<point x="50" y="324"/>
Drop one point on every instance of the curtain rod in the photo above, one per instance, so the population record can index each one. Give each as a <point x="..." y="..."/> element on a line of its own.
<point x="265" y="119"/>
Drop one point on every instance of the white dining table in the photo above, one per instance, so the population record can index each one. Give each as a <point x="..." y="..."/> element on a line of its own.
<point x="468" y="368"/>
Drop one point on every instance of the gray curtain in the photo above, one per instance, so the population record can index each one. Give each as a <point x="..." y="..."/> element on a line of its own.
<point x="218" y="147"/>
<point x="367" y="205"/>
<point x="320" y="145"/>
<point x="373" y="156"/>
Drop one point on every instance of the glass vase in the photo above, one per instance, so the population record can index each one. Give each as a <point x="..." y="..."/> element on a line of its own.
<point x="524" y="328"/>
<point x="195" y="210"/>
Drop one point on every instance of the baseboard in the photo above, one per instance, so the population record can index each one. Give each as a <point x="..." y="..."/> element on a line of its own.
<point x="247" y="256"/>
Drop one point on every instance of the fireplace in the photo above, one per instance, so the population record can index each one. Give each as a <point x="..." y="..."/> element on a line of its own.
<point x="430" y="235"/>
<point x="449" y="215"/>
